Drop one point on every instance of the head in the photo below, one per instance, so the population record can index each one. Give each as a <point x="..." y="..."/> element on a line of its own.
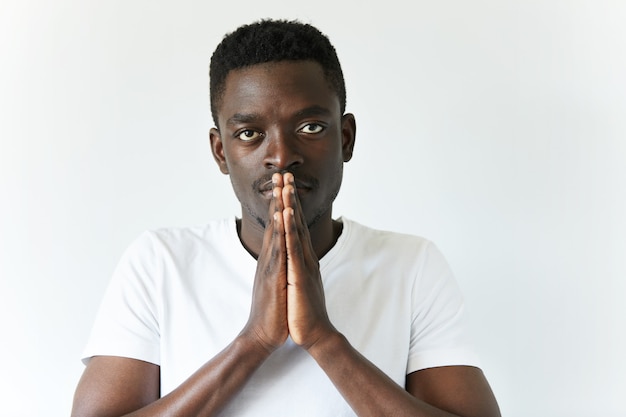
<point x="278" y="101"/>
<point x="273" y="41"/>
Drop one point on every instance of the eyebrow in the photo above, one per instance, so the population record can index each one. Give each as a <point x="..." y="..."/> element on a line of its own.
<point x="242" y="118"/>
<point x="313" y="111"/>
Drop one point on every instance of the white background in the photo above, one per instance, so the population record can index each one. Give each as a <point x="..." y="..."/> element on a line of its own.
<point x="495" y="128"/>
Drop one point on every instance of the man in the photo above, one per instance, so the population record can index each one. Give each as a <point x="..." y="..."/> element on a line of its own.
<point x="284" y="311"/>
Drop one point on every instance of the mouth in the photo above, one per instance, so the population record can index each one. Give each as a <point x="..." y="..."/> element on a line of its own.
<point x="267" y="187"/>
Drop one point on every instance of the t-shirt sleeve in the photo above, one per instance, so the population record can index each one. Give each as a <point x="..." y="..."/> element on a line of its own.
<point x="126" y="324"/>
<point x="439" y="328"/>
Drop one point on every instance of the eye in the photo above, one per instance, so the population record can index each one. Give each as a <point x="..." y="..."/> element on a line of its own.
<point x="312" y="128"/>
<point x="248" y="135"/>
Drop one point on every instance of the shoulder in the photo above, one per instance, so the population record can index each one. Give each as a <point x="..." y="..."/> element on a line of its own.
<point x="399" y="254"/>
<point x="386" y="241"/>
<point x="213" y="230"/>
<point x="169" y="238"/>
<point x="155" y="246"/>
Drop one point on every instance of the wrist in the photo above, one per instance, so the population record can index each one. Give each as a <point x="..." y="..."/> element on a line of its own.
<point x="253" y="345"/>
<point x="328" y="345"/>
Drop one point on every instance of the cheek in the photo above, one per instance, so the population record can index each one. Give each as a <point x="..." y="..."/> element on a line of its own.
<point x="242" y="172"/>
<point x="241" y="188"/>
<point x="237" y="162"/>
<point x="333" y="161"/>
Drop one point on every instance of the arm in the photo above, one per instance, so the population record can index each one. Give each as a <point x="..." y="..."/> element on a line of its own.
<point x="463" y="390"/>
<point x="115" y="386"/>
<point x="436" y="392"/>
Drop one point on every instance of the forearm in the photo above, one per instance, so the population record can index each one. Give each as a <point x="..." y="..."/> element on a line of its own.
<point x="368" y="390"/>
<point x="210" y="388"/>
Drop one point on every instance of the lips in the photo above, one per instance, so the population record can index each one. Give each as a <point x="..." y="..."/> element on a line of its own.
<point x="269" y="186"/>
<point x="265" y="186"/>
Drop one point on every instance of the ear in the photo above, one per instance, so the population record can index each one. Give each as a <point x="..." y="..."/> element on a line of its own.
<point x="348" y="135"/>
<point x="217" y="148"/>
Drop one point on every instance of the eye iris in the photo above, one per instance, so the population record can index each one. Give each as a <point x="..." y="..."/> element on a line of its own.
<point x="313" y="128"/>
<point x="248" y="134"/>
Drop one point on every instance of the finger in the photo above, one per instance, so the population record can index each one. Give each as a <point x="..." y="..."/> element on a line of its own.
<point x="288" y="178"/>
<point x="288" y="181"/>
<point x="278" y="252"/>
<point x="294" y="201"/>
<point x="291" y="200"/>
<point x="295" y="256"/>
<point x="277" y="198"/>
<point x="274" y="239"/>
<point x="277" y="190"/>
<point x="272" y="260"/>
<point x="275" y="206"/>
<point x="277" y="180"/>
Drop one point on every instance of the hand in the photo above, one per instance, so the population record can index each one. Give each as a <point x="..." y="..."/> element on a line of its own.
<point x="307" y="318"/>
<point x="267" y="323"/>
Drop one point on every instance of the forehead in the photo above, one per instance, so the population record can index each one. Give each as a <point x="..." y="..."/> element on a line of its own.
<point x="277" y="88"/>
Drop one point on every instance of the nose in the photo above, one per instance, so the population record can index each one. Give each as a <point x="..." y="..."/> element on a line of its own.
<point x="282" y="151"/>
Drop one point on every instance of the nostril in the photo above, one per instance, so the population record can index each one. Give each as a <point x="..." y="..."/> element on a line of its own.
<point x="282" y="165"/>
<point x="282" y="153"/>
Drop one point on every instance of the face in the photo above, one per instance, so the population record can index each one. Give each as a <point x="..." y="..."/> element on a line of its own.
<point x="279" y="117"/>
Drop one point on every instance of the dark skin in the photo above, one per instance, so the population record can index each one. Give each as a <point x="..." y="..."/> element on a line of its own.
<point x="283" y="141"/>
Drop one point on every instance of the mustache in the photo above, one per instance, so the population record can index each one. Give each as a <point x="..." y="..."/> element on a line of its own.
<point x="264" y="183"/>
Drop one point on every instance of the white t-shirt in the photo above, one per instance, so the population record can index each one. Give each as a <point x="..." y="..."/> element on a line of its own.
<point x="180" y="295"/>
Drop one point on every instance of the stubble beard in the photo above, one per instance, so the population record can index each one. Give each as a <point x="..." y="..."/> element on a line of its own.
<point x="324" y="208"/>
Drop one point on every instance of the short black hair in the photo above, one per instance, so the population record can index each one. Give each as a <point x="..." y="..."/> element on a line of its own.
<point x="272" y="41"/>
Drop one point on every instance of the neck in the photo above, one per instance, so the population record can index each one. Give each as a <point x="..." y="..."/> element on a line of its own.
<point x="324" y="234"/>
